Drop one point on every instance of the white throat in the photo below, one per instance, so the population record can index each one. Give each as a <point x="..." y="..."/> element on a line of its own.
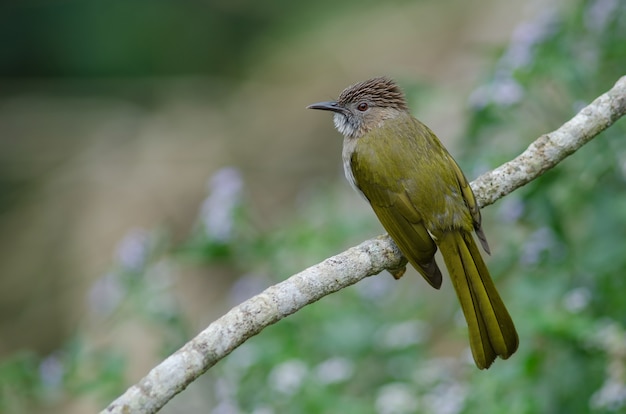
<point x="343" y="125"/>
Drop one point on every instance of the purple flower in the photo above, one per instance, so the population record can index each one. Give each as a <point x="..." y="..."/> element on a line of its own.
<point x="132" y="252"/>
<point x="217" y="211"/>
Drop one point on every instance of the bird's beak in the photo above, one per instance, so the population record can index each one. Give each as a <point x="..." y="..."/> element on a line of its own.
<point x="327" y="106"/>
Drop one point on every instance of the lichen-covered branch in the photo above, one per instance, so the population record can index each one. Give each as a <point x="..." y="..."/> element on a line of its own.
<point x="369" y="258"/>
<point x="249" y="318"/>
<point x="551" y="148"/>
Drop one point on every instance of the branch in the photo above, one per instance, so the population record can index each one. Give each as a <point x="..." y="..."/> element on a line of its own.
<point x="369" y="258"/>
<point x="551" y="148"/>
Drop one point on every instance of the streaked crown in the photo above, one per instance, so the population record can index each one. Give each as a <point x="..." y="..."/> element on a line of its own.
<point x="382" y="92"/>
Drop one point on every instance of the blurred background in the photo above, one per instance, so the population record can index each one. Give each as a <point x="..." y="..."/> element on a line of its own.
<point x="158" y="166"/>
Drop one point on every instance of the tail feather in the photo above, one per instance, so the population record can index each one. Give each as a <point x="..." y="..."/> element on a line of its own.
<point x="491" y="330"/>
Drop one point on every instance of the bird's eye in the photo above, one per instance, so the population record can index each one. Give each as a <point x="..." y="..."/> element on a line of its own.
<point x="362" y="106"/>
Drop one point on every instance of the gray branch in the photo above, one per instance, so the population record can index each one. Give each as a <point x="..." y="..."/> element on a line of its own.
<point x="369" y="258"/>
<point x="550" y="149"/>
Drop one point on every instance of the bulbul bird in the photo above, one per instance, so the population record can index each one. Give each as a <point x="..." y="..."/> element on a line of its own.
<point x="423" y="200"/>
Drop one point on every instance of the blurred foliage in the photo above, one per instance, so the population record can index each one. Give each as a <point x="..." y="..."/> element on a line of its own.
<point x="93" y="38"/>
<point x="562" y="235"/>
<point x="374" y="348"/>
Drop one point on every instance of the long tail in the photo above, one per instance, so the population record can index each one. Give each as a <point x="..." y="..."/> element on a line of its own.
<point x="491" y="330"/>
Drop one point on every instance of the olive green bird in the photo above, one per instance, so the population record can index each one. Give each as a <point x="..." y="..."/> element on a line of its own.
<point x="424" y="201"/>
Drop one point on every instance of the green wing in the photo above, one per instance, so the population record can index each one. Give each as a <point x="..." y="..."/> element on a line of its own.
<point x="470" y="201"/>
<point x="411" y="236"/>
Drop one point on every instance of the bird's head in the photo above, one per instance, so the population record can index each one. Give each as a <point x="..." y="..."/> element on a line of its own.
<point x="365" y="105"/>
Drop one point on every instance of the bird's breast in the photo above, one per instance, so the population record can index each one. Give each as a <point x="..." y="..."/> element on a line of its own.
<point x="349" y="146"/>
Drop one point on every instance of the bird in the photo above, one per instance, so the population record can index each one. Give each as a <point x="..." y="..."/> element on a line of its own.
<point x="424" y="202"/>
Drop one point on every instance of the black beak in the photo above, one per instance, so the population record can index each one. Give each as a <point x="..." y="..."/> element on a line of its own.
<point x="327" y="106"/>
